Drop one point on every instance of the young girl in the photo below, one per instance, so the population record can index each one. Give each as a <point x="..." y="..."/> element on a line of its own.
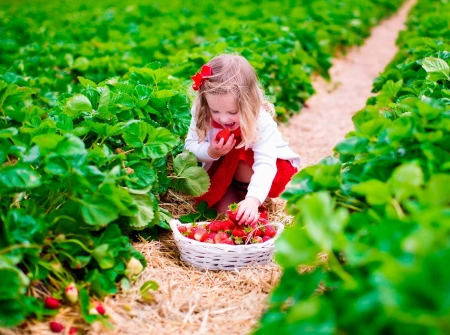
<point x="255" y="162"/>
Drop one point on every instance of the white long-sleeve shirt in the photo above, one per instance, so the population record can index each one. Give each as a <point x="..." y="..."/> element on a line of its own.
<point x="267" y="149"/>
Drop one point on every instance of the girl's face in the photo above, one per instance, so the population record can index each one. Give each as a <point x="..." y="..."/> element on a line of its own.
<point x="224" y="109"/>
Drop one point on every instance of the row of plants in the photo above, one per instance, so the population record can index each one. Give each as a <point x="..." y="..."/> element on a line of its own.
<point x="285" y="41"/>
<point x="378" y="214"/>
<point x="77" y="179"/>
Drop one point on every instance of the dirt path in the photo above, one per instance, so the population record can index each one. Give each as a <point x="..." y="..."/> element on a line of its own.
<point x="328" y="115"/>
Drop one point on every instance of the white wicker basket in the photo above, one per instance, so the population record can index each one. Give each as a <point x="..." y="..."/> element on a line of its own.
<point x="222" y="256"/>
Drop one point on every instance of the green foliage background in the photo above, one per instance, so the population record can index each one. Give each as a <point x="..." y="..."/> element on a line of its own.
<point x="380" y="210"/>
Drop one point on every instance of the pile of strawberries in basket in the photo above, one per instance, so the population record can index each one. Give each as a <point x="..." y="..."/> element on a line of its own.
<point x="228" y="231"/>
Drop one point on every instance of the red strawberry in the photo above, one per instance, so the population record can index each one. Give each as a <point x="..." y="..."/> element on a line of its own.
<point x="182" y="229"/>
<point x="220" y="236"/>
<point x="262" y="212"/>
<point x="51" y="303"/>
<point x="200" y="234"/>
<point x="268" y="230"/>
<point x="192" y="232"/>
<point x="215" y="226"/>
<point x="228" y="224"/>
<point x="56" y="327"/>
<point x="232" y="212"/>
<point x="240" y="232"/>
<point x="210" y="238"/>
<point x="100" y="309"/>
<point x="73" y="331"/>
<point x="224" y="133"/>
<point x="227" y="241"/>
<point x="266" y="238"/>
<point x="257" y="239"/>
<point x="255" y="229"/>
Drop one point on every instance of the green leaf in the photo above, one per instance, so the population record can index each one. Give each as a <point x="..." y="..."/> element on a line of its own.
<point x="8" y="132"/>
<point x="19" y="177"/>
<point x="147" y="290"/>
<point x="86" y="82"/>
<point x="192" y="180"/>
<point x="104" y="256"/>
<point x="406" y="180"/>
<point x="104" y="101"/>
<point x="436" y="68"/>
<point x="135" y="133"/>
<point x="76" y="105"/>
<point x="376" y="192"/>
<point x="98" y="210"/>
<point x="142" y="177"/>
<point x="159" y="142"/>
<point x="183" y="161"/>
<point x="13" y="282"/>
<point x="147" y="207"/>
<point x="81" y="64"/>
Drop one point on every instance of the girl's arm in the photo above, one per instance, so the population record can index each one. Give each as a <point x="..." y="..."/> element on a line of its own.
<point x="200" y="150"/>
<point x="265" y="156"/>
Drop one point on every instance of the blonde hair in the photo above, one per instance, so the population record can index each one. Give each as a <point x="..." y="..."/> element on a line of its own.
<point x="232" y="74"/>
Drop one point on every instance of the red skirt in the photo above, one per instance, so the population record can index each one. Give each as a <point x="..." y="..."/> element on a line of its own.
<point x="222" y="171"/>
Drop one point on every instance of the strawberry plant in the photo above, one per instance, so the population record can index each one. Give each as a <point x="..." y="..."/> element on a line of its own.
<point x="285" y="43"/>
<point x="378" y="213"/>
<point x="75" y="179"/>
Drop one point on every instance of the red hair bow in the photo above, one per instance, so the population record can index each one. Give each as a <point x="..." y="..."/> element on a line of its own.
<point x="206" y="71"/>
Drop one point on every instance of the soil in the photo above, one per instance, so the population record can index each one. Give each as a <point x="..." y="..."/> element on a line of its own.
<point x="327" y="117"/>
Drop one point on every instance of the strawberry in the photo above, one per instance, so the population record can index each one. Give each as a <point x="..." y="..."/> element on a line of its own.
<point x="192" y="232"/>
<point x="200" y="234"/>
<point x="266" y="238"/>
<point x="56" y="327"/>
<point x="227" y="241"/>
<point x="73" y="331"/>
<point x="220" y="236"/>
<point x="255" y="229"/>
<point x="71" y="292"/>
<point x="100" y="309"/>
<point x="228" y="225"/>
<point x="210" y="238"/>
<point x="215" y="226"/>
<point x="134" y="267"/>
<point x="51" y="303"/>
<point x="182" y="229"/>
<point x="232" y="212"/>
<point x="268" y="230"/>
<point x="237" y="240"/>
<point x="224" y="133"/>
<point x="262" y="210"/>
<point x="257" y="239"/>
<point x="239" y="232"/>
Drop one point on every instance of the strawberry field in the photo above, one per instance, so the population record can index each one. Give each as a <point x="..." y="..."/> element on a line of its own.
<point x="95" y="104"/>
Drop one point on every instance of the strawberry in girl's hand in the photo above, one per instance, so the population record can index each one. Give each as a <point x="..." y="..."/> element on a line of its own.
<point x="224" y="133"/>
<point x="200" y="234"/>
<point x="232" y="212"/>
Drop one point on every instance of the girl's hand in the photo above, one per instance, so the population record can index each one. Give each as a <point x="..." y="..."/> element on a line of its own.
<point x="221" y="148"/>
<point x="248" y="211"/>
